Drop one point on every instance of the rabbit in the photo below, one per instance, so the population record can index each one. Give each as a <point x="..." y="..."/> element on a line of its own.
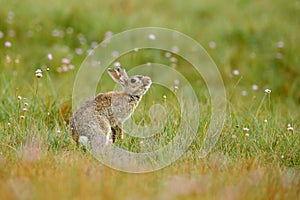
<point x="105" y="113"/>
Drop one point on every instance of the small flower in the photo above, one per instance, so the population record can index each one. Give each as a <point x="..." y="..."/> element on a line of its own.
<point x="234" y="137"/>
<point x="26" y="104"/>
<point x="90" y="52"/>
<point x="255" y="87"/>
<point x="279" y="56"/>
<point x="151" y="37"/>
<point x="78" y="51"/>
<point x="176" y="82"/>
<point x="267" y="91"/>
<point x="38" y="73"/>
<point x="246" y="129"/>
<point x="168" y="55"/>
<point x="115" y="54"/>
<point x="173" y="60"/>
<point x="25" y="109"/>
<point x="282" y="156"/>
<point x="71" y="67"/>
<point x="19" y="98"/>
<point x="58" y="131"/>
<point x="108" y="34"/>
<point x="65" y="68"/>
<point x="289" y="127"/>
<point x="235" y="72"/>
<point x="49" y="56"/>
<point x="117" y="64"/>
<point x="244" y="93"/>
<point x="7" y="44"/>
<point x="212" y="44"/>
<point x="8" y="124"/>
<point x="94" y="44"/>
<point x="247" y="135"/>
<point x="280" y="44"/>
<point x="59" y="69"/>
<point x="58" y="33"/>
<point x="175" y="49"/>
<point x="22" y="117"/>
<point x="66" y="61"/>
<point x="69" y="30"/>
<point x="48" y="69"/>
<point x="265" y="120"/>
<point x="7" y="58"/>
<point x="165" y="97"/>
<point x="10" y="15"/>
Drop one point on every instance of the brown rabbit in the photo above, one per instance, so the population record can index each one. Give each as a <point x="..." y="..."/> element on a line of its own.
<point x="105" y="113"/>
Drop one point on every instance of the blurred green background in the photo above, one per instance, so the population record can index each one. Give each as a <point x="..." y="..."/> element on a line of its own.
<point x="259" y="38"/>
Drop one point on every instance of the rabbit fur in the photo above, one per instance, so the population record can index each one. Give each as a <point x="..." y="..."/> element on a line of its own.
<point x="105" y="113"/>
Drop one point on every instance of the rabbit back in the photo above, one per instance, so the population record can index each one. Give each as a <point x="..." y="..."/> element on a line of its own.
<point x="87" y="122"/>
<point x="116" y="106"/>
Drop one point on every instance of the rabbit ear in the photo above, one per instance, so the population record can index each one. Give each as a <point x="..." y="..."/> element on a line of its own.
<point x="119" y="75"/>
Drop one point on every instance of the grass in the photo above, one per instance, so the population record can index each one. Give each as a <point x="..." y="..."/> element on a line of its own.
<point x="38" y="158"/>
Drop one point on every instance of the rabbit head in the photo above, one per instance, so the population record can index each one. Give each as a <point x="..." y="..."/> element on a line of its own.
<point x="136" y="85"/>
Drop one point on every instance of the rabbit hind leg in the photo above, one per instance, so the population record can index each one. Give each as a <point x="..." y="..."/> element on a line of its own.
<point x="105" y="128"/>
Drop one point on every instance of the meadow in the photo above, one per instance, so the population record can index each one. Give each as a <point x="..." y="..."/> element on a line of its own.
<point x="255" y="45"/>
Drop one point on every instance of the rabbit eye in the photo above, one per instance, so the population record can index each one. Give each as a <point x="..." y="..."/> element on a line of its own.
<point x="132" y="80"/>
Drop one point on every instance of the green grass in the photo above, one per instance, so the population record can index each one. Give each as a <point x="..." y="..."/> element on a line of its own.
<point x="38" y="158"/>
